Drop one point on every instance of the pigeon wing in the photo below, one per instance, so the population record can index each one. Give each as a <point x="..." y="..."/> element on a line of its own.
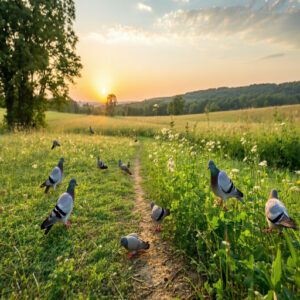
<point x="227" y="187"/>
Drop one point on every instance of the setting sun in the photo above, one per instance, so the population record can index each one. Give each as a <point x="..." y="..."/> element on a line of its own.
<point x="103" y="91"/>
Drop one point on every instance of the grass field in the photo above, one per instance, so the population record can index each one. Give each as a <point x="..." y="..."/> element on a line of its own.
<point x="230" y="250"/>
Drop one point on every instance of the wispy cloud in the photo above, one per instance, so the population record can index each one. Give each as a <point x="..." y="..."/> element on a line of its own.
<point x="143" y="7"/>
<point x="120" y="34"/>
<point x="273" y="21"/>
<point x="182" y="1"/>
<point x="275" y="55"/>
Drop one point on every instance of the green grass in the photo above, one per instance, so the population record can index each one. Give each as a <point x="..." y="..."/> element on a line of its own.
<point x="229" y="249"/>
<point x="86" y="261"/>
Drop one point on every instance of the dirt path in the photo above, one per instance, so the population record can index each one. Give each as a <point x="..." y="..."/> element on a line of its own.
<point x="160" y="274"/>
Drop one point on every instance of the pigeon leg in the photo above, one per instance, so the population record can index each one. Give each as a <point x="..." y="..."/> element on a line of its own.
<point x="68" y="224"/>
<point x="158" y="228"/>
<point x="131" y="254"/>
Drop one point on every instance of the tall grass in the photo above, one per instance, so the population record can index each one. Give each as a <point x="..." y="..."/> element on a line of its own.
<point x="230" y="250"/>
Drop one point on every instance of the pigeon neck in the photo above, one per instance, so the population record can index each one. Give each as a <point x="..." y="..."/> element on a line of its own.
<point x="71" y="191"/>
<point x="61" y="166"/>
<point x="214" y="171"/>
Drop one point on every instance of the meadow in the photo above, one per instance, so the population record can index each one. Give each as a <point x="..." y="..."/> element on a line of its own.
<point x="230" y="250"/>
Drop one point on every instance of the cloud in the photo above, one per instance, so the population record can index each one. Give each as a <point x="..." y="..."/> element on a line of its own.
<point x="121" y="34"/>
<point x="144" y="7"/>
<point x="275" y="55"/>
<point x="273" y="21"/>
<point x="182" y="1"/>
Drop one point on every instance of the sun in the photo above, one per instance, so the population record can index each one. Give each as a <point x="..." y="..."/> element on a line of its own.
<point x="103" y="91"/>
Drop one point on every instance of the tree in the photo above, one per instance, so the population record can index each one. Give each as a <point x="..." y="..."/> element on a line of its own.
<point x="110" y="105"/>
<point x="176" y="106"/>
<point x="37" y="57"/>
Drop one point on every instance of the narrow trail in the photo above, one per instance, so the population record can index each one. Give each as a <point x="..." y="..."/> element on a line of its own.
<point x="159" y="273"/>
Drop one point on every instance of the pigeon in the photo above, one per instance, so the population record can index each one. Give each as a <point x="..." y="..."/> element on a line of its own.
<point x="55" y="144"/>
<point x="158" y="214"/>
<point x="91" y="130"/>
<point x="100" y="164"/>
<point x="124" y="168"/>
<point x="133" y="244"/>
<point x="222" y="185"/>
<point x="55" y="177"/>
<point x="276" y="213"/>
<point x="63" y="208"/>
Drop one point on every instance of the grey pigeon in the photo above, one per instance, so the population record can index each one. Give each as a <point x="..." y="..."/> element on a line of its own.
<point x="133" y="244"/>
<point x="124" y="168"/>
<point x="158" y="214"/>
<point x="63" y="208"/>
<point x="55" y="144"/>
<point x="55" y="177"/>
<point x="100" y="164"/>
<point x="91" y="130"/>
<point x="276" y="213"/>
<point x="222" y="185"/>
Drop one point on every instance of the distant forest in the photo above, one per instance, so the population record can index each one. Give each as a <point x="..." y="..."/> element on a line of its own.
<point x="219" y="99"/>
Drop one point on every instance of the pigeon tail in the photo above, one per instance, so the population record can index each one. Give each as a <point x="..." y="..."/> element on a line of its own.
<point x="47" y="189"/>
<point x="288" y="222"/>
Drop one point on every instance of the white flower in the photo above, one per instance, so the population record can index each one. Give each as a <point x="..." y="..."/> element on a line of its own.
<point x="235" y="170"/>
<point x="225" y="243"/>
<point x="171" y="165"/>
<point x="254" y="149"/>
<point x="245" y="159"/>
<point x="34" y="166"/>
<point x="157" y="137"/>
<point x="297" y="172"/>
<point x="150" y="156"/>
<point x="256" y="188"/>
<point x="263" y="163"/>
<point x="294" y="189"/>
<point x="193" y="153"/>
<point x="282" y="124"/>
<point x="164" y="131"/>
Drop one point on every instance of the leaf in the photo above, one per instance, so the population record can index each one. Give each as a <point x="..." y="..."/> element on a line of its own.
<point x="291" y="247"/>
<point x="276" y="269"/>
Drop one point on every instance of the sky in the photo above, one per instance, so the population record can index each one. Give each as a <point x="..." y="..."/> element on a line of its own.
<point x="140" y="49"/>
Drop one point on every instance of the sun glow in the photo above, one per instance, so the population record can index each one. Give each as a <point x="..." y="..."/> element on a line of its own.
<point x="103" y="91"/>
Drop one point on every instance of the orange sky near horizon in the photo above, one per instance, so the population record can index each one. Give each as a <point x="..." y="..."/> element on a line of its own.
<point x="149" y="51"/>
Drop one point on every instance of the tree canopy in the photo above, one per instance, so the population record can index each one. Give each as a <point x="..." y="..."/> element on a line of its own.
<point x="37" y="57"/>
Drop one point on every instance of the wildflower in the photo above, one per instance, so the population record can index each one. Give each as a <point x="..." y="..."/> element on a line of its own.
<point x="91" y="156"/>
<point x="282" y="124"/>
<point x="297" y="172"/>
<point x="256" y="188"/>
<point x="245" y="159"/>
<point x="254" y="149"/>
<point x="235" y="170"/>
<point x="164" y="131"/>
<point x="34" y="166"/>
<point x="150" y="156"/>
<point x="171" y="165"/>
<point x="193" y="153"/>
<point x="243" y="141"/>
<point x="225" y="243"/>
<point x="157" y="137"/>
<point x="294" y="189"/>
<point x="263" y="163"/>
